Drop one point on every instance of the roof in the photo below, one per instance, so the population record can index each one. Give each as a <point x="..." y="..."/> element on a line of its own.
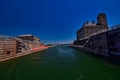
<point x="26" y="35"/>
<point x="90" y="24"/>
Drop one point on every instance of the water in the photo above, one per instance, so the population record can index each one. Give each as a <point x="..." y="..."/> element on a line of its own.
<point x="59" y="63"/>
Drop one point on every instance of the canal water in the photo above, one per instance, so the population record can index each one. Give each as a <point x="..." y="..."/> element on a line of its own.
<point x="59" y="63"/>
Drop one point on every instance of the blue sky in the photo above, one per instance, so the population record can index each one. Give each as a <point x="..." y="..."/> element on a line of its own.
<point x="53" y="21"/>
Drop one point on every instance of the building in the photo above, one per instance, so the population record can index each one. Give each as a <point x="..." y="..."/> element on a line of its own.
<point x="27" y="37"/>
<point x="32" y="42"/>
<point x="90" y="28"/>
<point x="10" y="46"/>
<point x="97" y="39"/>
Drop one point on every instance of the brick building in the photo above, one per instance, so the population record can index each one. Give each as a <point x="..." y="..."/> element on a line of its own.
<point x="90" y="28"/>
<point x="10" y="46"/>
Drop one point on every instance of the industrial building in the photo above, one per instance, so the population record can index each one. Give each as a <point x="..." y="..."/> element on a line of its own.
<point x="10" y="46"/>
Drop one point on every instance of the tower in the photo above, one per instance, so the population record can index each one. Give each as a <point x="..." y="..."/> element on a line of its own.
<point x="101" y="19"/>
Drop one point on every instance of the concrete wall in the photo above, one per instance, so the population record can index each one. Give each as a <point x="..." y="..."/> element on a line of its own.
<point x="33" y="44"/>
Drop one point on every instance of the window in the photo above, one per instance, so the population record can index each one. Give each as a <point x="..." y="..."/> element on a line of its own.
<point x="86" y="31"/>
<point x="8" y="52"/>
<point x="103" y="17"/>
<point x="92" y="31"/>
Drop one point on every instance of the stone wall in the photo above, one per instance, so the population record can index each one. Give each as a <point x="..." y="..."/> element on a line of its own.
<point x="114" y="41"/>
<point x="98" y="44"/>
<point x="105" y="43"/>
<point x="8" y="47"/>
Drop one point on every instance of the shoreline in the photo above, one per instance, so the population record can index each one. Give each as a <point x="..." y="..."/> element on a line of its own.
<point x="90" y="52"/>
<point x="22" y="54"/>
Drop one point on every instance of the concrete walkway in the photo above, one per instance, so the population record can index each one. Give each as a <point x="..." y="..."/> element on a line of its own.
<point x="22" y="54"/>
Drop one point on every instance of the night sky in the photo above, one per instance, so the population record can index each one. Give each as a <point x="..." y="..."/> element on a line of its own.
<point x="54" y="21"/>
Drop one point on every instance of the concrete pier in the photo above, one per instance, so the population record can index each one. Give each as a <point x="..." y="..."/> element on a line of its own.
<point x="20" y="54"/>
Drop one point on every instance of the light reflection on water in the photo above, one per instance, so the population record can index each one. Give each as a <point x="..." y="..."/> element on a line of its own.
<point x="59" y="63"/>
